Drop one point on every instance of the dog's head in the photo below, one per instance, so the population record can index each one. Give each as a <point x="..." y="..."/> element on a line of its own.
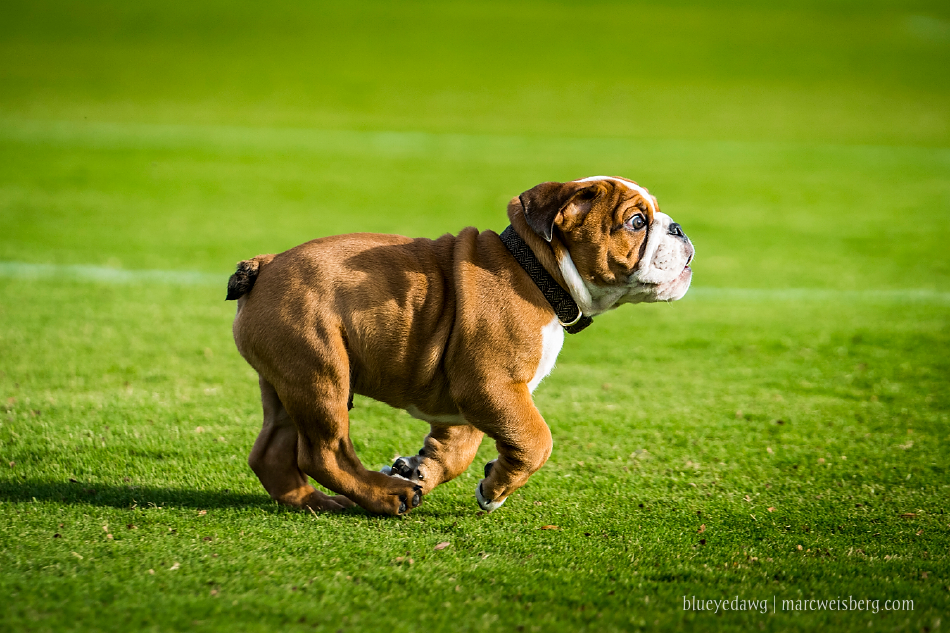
<point x="611" y="243"/>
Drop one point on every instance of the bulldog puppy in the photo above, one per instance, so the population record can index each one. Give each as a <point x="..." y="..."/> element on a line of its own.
<point x="458" y="331"/>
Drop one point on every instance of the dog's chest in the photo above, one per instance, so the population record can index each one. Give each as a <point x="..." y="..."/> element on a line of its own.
<point x="552" y="339"/>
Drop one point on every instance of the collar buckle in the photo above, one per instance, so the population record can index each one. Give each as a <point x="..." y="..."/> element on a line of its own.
<point x="580" y="315"/>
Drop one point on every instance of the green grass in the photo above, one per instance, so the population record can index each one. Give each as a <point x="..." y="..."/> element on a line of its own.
<point x="797" y="398"/>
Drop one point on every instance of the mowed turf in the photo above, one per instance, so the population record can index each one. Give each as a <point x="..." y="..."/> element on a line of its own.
<point x="779" y="435"/>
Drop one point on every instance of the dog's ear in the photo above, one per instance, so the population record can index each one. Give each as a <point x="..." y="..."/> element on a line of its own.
<point x="562" y="204"/>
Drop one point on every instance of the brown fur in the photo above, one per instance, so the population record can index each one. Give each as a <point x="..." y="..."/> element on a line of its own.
<point x="602" y="253"/>
<point x="451" y="326"/>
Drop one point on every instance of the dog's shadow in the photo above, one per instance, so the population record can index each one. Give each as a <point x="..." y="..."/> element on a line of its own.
<point x="127" y="497"/>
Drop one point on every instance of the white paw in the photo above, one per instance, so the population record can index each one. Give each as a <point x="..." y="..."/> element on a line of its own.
<point x="388" y="470"/>
<point x="485" y="504"/>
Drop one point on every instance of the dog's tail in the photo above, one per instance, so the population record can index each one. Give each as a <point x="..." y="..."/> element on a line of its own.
<point x="244" y="277"/>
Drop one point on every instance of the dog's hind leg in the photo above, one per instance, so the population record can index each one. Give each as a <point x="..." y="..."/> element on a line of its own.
<point x="274" y="459"/>
<point x="324" y="449"/>
<point x="447" y="452"/>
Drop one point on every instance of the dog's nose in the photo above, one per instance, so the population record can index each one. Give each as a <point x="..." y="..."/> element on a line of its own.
<point x="677" y="230"/>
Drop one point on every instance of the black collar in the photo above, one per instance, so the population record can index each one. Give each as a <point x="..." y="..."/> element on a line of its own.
<point x="568" y="314"/>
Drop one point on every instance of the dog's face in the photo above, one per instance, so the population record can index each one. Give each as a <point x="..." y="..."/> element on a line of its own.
<point x="612" y="243"/>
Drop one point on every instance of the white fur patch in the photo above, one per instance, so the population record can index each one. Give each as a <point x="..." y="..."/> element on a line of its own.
<point x="485" y="504"/>
<point x="658" y="230"/>
<point x="590" y="298"/>
<point x="552" y="339"/>
<point x="575" y="284"/>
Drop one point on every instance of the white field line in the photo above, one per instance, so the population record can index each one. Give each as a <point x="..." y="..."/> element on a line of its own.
<point x="103" y="274"/>
<point x="907" y="295"/>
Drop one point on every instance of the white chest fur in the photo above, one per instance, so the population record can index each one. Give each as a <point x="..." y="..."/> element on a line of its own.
<point x="552" y="338"/>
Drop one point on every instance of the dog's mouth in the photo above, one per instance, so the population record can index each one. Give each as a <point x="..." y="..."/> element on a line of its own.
<point x="687" y="271"/>
<point x="684" y="274"/>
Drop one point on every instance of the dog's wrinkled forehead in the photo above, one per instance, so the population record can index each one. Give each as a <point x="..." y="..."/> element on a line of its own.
<point x="629" y="184"/>
<point x="565" y="205"/>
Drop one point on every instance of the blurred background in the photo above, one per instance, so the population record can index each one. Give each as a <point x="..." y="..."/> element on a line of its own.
<point x="145" y="147"/>
<point x="800" y="146"/>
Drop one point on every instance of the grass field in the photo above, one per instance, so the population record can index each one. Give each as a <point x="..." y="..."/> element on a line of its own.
<point x="780" y="435"/>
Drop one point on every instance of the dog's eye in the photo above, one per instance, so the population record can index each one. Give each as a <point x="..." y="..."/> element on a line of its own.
<point x="637" y="222"/>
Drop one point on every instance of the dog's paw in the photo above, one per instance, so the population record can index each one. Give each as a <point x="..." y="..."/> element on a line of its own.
<point x="390" y="494"/>
<point x="483" y="503"/>
<point x="404" y="500"/>
<point x="406" y="468"/>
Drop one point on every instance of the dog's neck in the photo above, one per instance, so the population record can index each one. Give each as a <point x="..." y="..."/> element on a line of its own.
<point x="537" y="259"/>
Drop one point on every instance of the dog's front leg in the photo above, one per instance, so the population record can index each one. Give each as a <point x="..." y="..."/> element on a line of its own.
<point x="521" y="435"/>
